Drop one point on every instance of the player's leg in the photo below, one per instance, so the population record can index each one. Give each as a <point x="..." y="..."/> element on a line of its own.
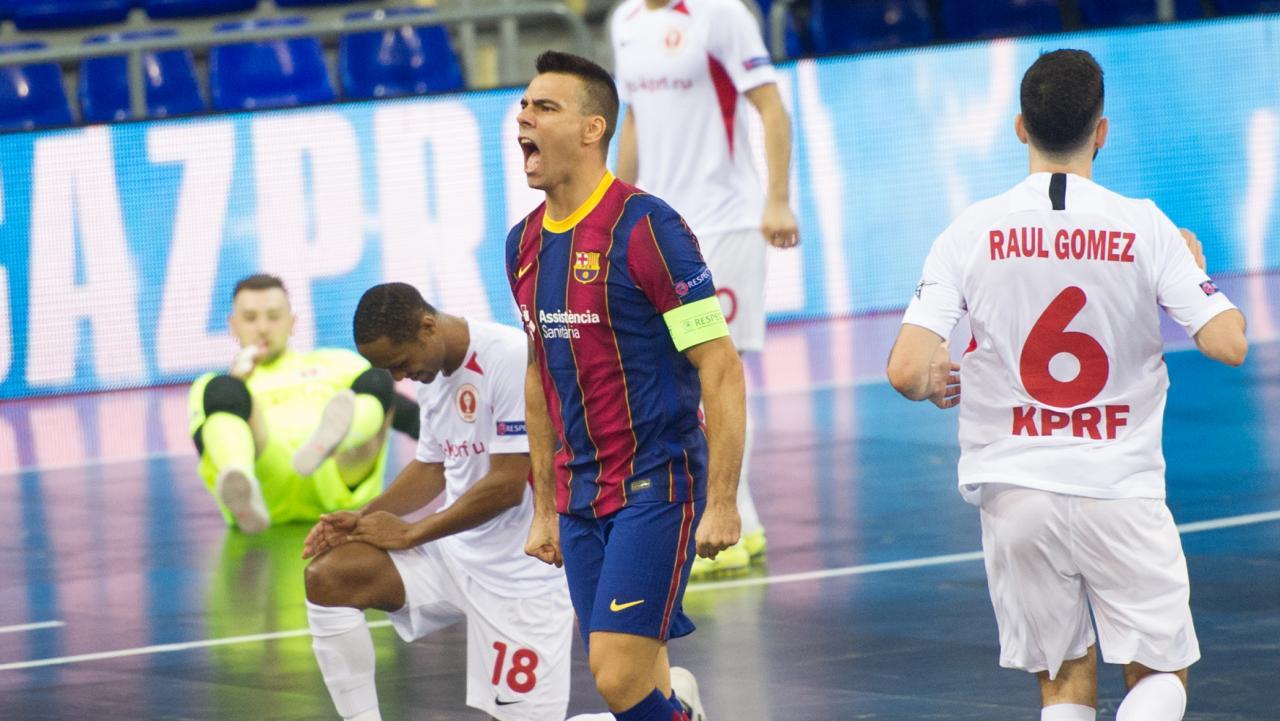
<point x="518" y="652"/>
<point x="648" y="554"/>
<point x="1039" y="599"/>
<point x="415" y="587"/>
<point x="1138" y="586"/>
<point x="352" y="418"/>
<point x="1072" y="695"/>
<point x="1155" y="695"/>
<point x="229" y="432"/>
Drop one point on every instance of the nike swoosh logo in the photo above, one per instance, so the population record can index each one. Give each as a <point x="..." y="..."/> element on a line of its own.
<point x="615" y="606"/>
<point x="500" y="702"/>
<point x="520" y="273"/>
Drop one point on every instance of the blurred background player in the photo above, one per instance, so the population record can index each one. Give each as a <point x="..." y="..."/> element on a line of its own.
<point x="683" y="68"/>
<point x="626" y="336"/>
<point x="287" y="435"/>
<point x="465" y="562"/>
<point x="1065" y="387"/>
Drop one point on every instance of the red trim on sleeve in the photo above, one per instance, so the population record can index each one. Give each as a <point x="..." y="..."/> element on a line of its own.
<point x="680" y="7"/>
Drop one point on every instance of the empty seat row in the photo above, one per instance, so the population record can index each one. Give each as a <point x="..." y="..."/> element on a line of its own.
<point x="245" y="75"/>
<point x="54" y="14"/>
<point x="834" y="26"/>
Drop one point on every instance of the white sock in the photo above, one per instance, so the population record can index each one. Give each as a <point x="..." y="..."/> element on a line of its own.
<point x="343" y="646"/>
<point x="1068" y="712"/>
<point x="747" y="506"/>
<point x="1158" y="697"/>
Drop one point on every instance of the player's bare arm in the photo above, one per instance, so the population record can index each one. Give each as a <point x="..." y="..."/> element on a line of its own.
<point x="920" y="367"/>
<point x="500" y="489"/>
<point x="779" y="224"/>
<point x="1223" y="338"/>
<point x="416" y="485"/>
<point x="724" y="401"/>
<point x="544" y="533"/>
<point x="628" y="150"/>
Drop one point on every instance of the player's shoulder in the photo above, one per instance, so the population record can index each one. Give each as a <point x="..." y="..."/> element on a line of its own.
<point x="716" y="8"/>
<point x="626" y="11"/>
<point x="534" y="218"/>
<point x="643" y="203"/>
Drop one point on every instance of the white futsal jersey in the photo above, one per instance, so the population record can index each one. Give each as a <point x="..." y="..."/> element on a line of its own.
<point x="476" y="411"/>
<point x="682" y="69"/>
<point x="1063" y="385"/>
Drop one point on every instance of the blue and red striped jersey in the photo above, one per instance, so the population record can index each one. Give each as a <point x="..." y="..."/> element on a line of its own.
<point x="592" y="290"/>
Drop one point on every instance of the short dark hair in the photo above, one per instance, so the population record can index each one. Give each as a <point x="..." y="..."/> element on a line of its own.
<point x="390" y="310"/>
<point x="599" y="93"/>
<point x="258" y="281"/>
<point x="1062" y="96"/>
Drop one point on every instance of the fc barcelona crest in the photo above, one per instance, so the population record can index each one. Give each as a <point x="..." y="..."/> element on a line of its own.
<point x="586" y="266"/>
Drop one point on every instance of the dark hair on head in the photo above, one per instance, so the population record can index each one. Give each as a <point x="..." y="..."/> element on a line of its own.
<point x="1062" y="100"/>
<point x="258" y="281"/>
<point x="390" y="310"/>
<point x="599" y="94"/>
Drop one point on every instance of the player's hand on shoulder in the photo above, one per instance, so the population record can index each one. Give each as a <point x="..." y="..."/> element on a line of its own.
<point x="1193" y="245"/>
<point x="720" y="527"/>
<point x="779" y="225"/>
<point x="382" y="530"/>
<point x="544" y="540"/>
<point x="944" y="378"/>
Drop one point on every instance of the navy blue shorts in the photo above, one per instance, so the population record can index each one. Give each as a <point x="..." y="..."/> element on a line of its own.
<point x="627" y="571"/>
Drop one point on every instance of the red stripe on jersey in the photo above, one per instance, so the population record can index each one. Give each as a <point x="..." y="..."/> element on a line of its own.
<point x="973" y="346"/>
<point x="474" y="366"/>
<point x="682" y="555"/>
<point x="727" y="94"/>
<point x="599" y="362"/>
<point x="680" y="7"/>
<point x="644" y="258"/>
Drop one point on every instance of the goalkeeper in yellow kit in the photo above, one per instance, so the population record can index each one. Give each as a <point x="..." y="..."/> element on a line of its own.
<point x="288" y="435"/>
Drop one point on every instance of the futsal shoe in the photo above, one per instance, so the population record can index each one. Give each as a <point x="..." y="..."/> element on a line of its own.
<point x="334" y="424"/>
<point x="756" y="544"/>
<point x="731" y="561"/>
<point x="241" y="494"/>
<point x="685" y="687"/>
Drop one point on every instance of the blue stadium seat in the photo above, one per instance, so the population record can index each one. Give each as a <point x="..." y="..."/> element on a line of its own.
<point x="170" y="77"/>
<point x="271" y="74"/>
<point x="963" y="19"/>
<point x="31" y="95"/>
<point x="1240" y="7"/>
<point x="1103" y="13"/>
<point x="162" y="9"/>
<point x="55" y="14"/>
<point x="841" y="26"/>
<point x="398" y="62"/>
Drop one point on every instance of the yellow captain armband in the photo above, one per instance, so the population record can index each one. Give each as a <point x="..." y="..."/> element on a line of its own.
<point x="697" y="322"/>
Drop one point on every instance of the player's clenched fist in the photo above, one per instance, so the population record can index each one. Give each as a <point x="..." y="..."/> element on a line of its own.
<point x="544" y="540"/>
<point x="719" y="528"/>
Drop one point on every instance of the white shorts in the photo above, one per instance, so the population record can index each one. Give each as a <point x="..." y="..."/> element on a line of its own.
<point x="737" y="262"/>
<point x="1050" y="557"/>
<point x="517" y="648"/>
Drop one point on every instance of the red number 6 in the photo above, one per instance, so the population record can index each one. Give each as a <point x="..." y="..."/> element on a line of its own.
<point x="1049" y="337"/>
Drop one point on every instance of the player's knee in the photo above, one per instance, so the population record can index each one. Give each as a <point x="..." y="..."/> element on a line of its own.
<point x="615" y="680"/>
<point x="224" y="394"/>
<point x="325" y="581"/>
<point x="377" y="383"/>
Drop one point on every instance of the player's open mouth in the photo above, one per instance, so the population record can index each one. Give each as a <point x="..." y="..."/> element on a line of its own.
<point x="532" y="156"/>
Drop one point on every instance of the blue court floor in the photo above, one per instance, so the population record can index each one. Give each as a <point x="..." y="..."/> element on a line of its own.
<point x="125" y="597"/>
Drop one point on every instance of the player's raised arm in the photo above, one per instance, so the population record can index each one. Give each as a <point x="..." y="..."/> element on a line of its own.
<point x="724" y="405"/>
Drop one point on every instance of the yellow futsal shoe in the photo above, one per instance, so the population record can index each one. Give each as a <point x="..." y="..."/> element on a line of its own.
<point x="756" y="544"/>
<point x="732" y="560"/>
